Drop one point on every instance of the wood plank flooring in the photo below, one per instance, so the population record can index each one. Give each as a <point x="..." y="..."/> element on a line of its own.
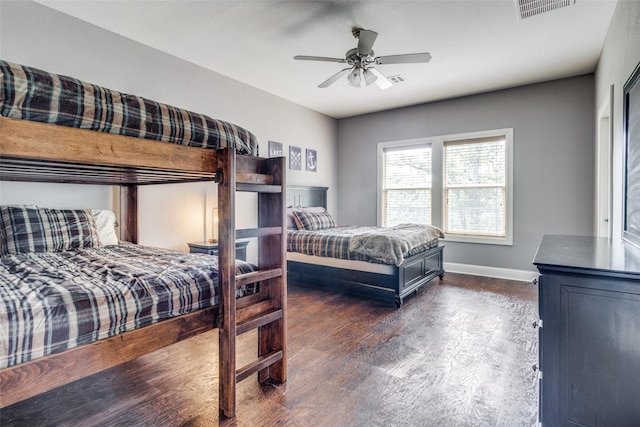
<point x="458" y="353"/>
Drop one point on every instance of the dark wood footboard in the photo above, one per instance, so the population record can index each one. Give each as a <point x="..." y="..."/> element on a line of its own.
<point x="417" y="271"/>
<point x="413" y="273"/>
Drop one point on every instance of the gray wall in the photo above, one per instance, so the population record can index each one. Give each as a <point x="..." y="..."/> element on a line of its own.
<point x="171" y="215"/>
<point x="620" y="55"/>
<point x="553" y="126"/>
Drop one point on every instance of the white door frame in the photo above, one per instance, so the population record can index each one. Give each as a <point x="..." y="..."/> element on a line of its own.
<point x="604" y="205"/>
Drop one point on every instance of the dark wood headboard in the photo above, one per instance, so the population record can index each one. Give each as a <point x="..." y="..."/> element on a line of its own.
<point x="305" y="196"/>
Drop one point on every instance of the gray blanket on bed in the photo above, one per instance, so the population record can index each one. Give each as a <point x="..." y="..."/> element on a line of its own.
<point x="392" y="244"/>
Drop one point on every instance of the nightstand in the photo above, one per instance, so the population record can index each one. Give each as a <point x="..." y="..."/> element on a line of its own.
<point x="212" y="249"/>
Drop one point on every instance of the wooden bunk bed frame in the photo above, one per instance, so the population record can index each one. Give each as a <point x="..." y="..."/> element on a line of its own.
<point x="38" y="152"/>
<point x="407" y="278"/>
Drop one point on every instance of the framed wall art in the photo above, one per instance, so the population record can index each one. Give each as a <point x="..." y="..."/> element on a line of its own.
<point x="295" y="158"/>
<point x="312" y="160"/>
<point x="275" y="149"/>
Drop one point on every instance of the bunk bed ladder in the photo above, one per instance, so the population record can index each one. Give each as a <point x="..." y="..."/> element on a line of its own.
<point x="266" y="310"/>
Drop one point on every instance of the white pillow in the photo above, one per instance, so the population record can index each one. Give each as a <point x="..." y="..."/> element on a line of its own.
<point x="106" y="225"/>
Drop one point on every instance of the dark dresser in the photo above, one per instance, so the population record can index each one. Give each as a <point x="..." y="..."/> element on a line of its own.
<point x="589" y="328"/>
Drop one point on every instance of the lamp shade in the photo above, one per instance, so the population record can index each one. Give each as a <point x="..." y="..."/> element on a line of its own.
<point x="355" y="77"/>
<point x="214" y="225"/>
<point x="369" y="77"/>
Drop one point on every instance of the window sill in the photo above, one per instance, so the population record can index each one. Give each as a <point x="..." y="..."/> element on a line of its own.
<point x="481" y="240"/>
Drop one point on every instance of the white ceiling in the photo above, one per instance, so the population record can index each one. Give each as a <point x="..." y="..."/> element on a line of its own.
<point x="477" y="46"/>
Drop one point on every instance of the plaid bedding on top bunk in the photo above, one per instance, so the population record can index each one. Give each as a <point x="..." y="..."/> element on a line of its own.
<point x="32" y="94"/>
<point x="338" y="242"/>
<point x="54" y="301"/>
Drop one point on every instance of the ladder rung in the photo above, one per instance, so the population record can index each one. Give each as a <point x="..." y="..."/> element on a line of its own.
<point x="258" y="188"/>
<point x="258" y="365"/>
<point x="256" y="276"/>
<point x="253" y="178"/>
<point x="256" y="322"/>
<point x="253" y="310"/>
<point x="248" y="233"/>
<point x="247" y="301"/>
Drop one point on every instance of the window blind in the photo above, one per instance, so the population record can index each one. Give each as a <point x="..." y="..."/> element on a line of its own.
<point x="475" y="187"/>
<point x="406" y="185"/>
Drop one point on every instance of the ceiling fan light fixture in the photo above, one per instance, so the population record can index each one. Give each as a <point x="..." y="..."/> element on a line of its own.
<point x="362" y="58"/>
<point x="355" y="77"/>
<point x="369" y="77"/>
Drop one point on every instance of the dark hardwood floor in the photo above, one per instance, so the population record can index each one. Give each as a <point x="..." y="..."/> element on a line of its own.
<point x="458" y="353"/>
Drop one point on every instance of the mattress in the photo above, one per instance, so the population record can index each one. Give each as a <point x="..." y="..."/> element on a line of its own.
<point x="53" y="301"/>
<point x="371" y="267"/>
<point x="32" y="94"/>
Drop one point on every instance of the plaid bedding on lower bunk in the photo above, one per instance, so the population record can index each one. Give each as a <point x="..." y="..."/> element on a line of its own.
<point x="54" y="301"/>
<point x="336" y="243"/>
<point x="32" y="94"/>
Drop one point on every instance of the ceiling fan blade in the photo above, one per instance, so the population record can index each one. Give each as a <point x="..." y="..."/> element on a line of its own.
<point x="382" y="82"/>
<point x="331" y="80"/>
<point x="366" y="38"/>
<point x="319" y="58"/>
<point x="408" y="58"/>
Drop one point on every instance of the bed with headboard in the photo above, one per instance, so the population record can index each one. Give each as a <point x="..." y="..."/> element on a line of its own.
<point x="365" y="258"/>
<point x="74" y="298"/>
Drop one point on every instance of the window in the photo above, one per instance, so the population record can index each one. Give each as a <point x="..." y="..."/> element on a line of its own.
<point x="461" y="183"/>
<point x="475" y="187"/>
<point x="406" y="184"/>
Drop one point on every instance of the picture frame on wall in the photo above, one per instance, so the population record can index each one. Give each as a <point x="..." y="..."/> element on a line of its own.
<point x="312" y="160"/>
<point x="275" y="149"/>
<point x="631" y="123"/>
<point x="295" y="158"/>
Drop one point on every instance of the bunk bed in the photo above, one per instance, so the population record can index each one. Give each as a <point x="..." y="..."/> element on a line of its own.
<point x="323" y="254"/>
<point x="127" y="141"/>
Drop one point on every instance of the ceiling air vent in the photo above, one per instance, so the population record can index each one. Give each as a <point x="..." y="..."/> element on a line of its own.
<point x="529" y="8"/>
<point x="396" y="79"/>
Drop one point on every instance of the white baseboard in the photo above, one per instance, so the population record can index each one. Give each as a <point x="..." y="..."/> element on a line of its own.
<point x="496" y="272"/>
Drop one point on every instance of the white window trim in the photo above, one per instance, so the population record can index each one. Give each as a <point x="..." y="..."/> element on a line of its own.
<point x="437" y="193"/>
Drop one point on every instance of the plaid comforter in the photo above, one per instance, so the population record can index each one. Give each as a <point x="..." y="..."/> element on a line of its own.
<point x="337" y="243"/>
<point x="54" y="301"/>
<point x="32" y="94"/>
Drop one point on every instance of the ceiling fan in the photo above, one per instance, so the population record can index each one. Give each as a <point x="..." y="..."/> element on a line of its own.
<point x="361" y="60"/>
